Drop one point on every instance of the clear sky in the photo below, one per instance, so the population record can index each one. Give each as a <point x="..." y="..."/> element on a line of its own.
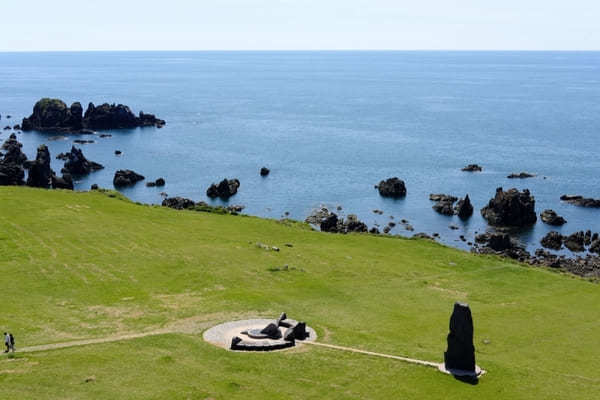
<point x="299" y="24"/>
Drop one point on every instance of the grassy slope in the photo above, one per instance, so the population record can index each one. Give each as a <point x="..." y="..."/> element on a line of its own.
<point x="83" y="265"/>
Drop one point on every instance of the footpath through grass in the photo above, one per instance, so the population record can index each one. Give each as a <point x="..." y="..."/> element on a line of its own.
<point x="84" y="265"/>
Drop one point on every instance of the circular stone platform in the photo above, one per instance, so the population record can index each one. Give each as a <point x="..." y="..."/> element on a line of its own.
<point x="221" y="335"/>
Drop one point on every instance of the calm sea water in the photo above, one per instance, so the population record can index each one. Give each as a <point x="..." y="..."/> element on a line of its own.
<point x="330" y="125"/>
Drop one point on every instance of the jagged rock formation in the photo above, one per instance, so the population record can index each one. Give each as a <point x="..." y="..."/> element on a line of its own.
<point x="392" y="187"/>
<point x="40" y="174"/>
<point x="464" y="208"/>
<point x="54" y="115"/>
<point x="264" y="171"/>
<point x="460" y="354"/>
<point x="510" y="208"/>
<point x="225" y="189"/>
<point x="11" y="163"/>
<point x="77" y="164"/>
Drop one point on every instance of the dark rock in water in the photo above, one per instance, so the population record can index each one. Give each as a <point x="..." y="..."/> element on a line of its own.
<point x="522" y="175"/>
<point x="552" y="240"/>
<point x="464" y="208"/>
<point x="81" y="141"/>
<point x="158" y="182"/>
<point x="353" y="224"/>
<point x="472" y="168"/>
<point x="118" y="152"/>
<point x="17" y="127"/>
<point x="551" y="218"/>
<point x="66" y="182"/>
<point x="62" y="156"/>
<point x="272" y="331"/>
<point x="264" y="171"/>
<point x="460" y="354"/>
<point x="77" y="164"/>
<point x="94" y="186"/>
<point x="7" y="128"/>
<point x="392" y="187"/>
<point x="444" y="203"/>
<point x="13" y="154"/>
<point x="595" y="246"/>
<point x="178" y="203"/>
<point x="54" y="115"/>
<point x="575" y="242"/>
<point x="225" y="189"/>
<point x="387" y="229"/>
<point x="500" y="241"/>
<point x="581" y="201"/>
<point x="329" y="223"/>
<point x="105" y="135"/>
<point x="40" y="174"/>
<point x="374" y="231"/>
<point x="510" y="208"/>
<point x="126" y="178"/>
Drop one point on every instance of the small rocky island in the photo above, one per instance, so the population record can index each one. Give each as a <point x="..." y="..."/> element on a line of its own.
<point x="392" y="187"/>
<point x="55" y="116"/>
<point x="510" y="208"/>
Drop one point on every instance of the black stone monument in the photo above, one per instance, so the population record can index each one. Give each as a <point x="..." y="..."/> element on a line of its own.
<point x="460" y="354"/>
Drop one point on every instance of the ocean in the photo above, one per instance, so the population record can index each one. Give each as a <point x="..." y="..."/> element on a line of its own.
<point x="331" y="125"/>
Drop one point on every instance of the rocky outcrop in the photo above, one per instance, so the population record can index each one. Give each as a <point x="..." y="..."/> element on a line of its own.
<point x="225" y="189"/>
<point x="126" y="178"/>
<point x="11" y="163"/>
<point x="392" y="187"/>
<point x="66" y="182"/>
<point x="460" y="354"/>
<point x="464" y="208"/>
<point x="159" y="182"/>
<point x="510" y="208"/>
<point x="330" y="222"/>
<point x="521" y="175"/>
<point x="264" y="171"/>
<point x="581" y="201"/>
<point x="444" y="204"/>
<point x="40" y="174"/>
<point x="472" y="168"/>
<point x="575" y="242"/>
<point x="77" y="164"/>
<point x="552" y="240"/>
<point x="178" y="203"/>
<point x="551" y="218"/>
<point x="54" y="115"/>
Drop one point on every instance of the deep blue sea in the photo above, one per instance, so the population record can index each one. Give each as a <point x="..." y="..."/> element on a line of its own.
<point x="330" y="125"/>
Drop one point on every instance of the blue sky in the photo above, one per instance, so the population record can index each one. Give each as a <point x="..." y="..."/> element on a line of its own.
<point x="299" y="24"/>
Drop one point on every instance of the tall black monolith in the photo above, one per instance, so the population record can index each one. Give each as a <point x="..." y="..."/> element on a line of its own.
<point x="460" y="354"/>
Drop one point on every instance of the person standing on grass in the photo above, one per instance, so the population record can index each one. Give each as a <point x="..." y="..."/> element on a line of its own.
<point x="12" y="342"/>
<point x="6" y="342"/>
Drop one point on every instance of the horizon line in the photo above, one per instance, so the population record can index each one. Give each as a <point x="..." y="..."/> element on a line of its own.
<point x="296" y="50"/>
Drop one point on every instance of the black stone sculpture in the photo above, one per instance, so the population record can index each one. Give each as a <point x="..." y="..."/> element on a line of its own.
<point x="300" y="331"/>
<point x="271" y="331"/>
<point x="460" y="354"/>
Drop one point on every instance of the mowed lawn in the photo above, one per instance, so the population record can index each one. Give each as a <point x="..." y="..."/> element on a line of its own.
<point x="85" y="265"/>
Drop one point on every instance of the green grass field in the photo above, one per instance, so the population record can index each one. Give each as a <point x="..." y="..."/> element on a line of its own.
<point x="85" y="265"/>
